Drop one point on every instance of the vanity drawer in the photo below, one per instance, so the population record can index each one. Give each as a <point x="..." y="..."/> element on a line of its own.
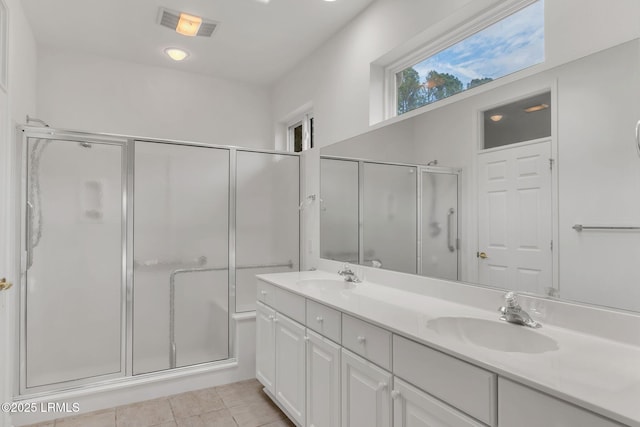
<point x="521" y="406"/>
<point x="266" y="293"/>
<point x="290" y="304"/>
<point x="324" y="320"/>
<point x="462" y="385"/>
<point x="367" y="340"/>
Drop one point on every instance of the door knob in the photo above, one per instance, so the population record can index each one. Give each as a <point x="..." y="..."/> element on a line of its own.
<point x="4" y="285"/>
<point x="482" y="255"/>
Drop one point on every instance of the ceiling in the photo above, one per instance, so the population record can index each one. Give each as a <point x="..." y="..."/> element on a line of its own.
<point x="255" y="42"/>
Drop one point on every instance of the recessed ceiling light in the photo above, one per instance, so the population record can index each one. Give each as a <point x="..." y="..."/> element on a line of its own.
<point x="176" y="54"/>
<point x="536" y="108"/>
<point x="496" y="117"/>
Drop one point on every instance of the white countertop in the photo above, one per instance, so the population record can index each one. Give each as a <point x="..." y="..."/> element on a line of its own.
<point x="595" y="373"/>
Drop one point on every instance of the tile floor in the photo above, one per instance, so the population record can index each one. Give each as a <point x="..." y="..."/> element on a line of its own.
<point x="241" y="404"/>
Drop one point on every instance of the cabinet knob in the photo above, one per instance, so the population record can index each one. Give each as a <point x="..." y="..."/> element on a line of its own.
<point x="272" y="317"/>
<point x="263" y="293"/>
<point x="361" y="339"/>
<point x="306" y="338"/>
<point x="395" y="394"/>
<point x="382" y="386"/>
<point x="319" y="319"/>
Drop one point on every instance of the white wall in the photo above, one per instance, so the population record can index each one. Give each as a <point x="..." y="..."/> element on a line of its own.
<point x="335" y="78"/>
<point x="15" y="103"/>
<point x="97" y="94"/>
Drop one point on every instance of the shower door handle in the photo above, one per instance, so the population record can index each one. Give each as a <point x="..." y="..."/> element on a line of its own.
<point x="638" y="137"/>
<point x="450" y="241"/>
<point x="27" y="237"/>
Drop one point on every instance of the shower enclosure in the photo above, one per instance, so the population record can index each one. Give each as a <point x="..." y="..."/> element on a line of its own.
<point x="137" y="253"/>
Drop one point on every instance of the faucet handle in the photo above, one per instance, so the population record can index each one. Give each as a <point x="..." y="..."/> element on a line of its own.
<point x="511" y="300"/>
<point x="345" y="270"/>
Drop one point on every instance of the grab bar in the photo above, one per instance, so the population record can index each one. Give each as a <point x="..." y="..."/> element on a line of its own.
<point x="172" y="297"/>
<point x="201" y="260"/>
<point x="580" y="227"/>
<point x="452" y="248"/>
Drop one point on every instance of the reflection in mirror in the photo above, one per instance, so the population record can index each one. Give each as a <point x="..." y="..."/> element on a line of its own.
<point x="339" y="210"/>
<point x="523" y="120"/>
<point x="520" y="189"/>
<point x="389" y="216"/>
<point x="439" y="223"/>
<point x="395" y="216"/>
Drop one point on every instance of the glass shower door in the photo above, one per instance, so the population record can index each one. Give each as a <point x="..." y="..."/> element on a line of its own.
<point x="439" y="225"/>
<point x="390" y="216"/>
<point x="75" y="279"/>
<point x="181" y="260"/>
<point x="339" y="194"/>
<point x="267" y="220"/>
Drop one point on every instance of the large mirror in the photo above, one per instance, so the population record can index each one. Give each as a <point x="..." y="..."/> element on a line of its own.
<point x="532" y="186"/>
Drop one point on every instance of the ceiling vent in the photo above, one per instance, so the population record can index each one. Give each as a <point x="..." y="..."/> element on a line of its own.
<point x="170" y="19"/>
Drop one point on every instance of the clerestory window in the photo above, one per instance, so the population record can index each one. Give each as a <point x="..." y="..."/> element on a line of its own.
<point x="493" y="50"/>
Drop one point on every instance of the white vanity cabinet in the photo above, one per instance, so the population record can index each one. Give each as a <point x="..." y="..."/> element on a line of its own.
<point x="520" y="406"/>
<point x="366" y="393"/>
<point x="323" y="381"/>
<point x="266" y="346"/>
<point x="414" y="408"/>
<point x="290" y="355"/>
<point x="328" y="368"/>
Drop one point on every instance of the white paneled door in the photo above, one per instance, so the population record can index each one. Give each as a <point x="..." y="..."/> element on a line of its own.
<point x="266" y="347"/>
<point x="366" y="393"/>
<point x="515" y="228"/>
<point x="323" y="382"/>
<point x="290" y="367"/>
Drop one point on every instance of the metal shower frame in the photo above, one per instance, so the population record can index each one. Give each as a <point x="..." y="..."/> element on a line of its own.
<point x="127" y="144"/>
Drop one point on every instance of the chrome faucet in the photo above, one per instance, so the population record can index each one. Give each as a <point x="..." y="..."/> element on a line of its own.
<point x="349" y="275"/>
<point x="513" y="313"/>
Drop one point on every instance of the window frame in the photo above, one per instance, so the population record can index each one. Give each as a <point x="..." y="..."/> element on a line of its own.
<point x="444" y="40"/>
<point x="307" y="137"/>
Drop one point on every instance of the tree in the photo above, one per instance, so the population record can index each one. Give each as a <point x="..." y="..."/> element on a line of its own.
<point x="411" y="94"/>
<point x="477" y="82"/>
<point x="441" y="85"/>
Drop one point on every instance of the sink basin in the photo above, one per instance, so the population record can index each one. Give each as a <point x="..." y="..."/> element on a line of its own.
<point x="494" y="335"/>
<point x="326" y="284"/>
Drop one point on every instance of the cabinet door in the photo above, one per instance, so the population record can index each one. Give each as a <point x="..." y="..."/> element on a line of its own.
<point x="414" y="408"/>
<point x="265" y="346"/>
<point x="290" y="367"/>
<point x="323" y="382"/>
<point x="366" y="393"/>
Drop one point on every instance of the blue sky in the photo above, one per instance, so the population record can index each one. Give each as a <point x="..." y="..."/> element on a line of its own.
<point x="509" y="45"/>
